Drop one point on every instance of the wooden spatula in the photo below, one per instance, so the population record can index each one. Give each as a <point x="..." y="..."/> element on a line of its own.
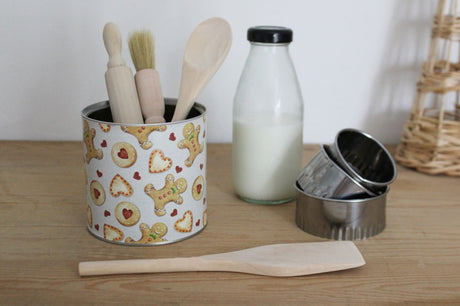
<point x="206" y="49"/>
<point x="291" y="259"/>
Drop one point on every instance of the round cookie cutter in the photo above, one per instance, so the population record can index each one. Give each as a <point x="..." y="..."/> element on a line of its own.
<point x="341" y="219"/>
<point x="364" y="158"/>
<point x="322" y="177"/>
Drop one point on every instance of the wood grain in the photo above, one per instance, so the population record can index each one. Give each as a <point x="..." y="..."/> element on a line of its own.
<point x="43" y="237"/>
<point x="206" y="49"/>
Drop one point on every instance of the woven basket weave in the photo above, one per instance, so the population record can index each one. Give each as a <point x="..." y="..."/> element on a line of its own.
<point x="431" y="137"/>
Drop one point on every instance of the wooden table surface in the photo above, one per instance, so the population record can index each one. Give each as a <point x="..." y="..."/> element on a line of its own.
<point x="43" y="237"/>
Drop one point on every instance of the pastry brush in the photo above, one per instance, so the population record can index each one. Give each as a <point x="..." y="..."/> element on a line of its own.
<point x="147" y="79"/>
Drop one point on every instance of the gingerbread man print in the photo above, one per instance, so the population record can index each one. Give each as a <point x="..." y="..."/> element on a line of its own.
<point x="191" y="142"/>
<point x="142" y="133"/>
<point x="152" y="234"/>
<point x="88" y="139"/>
<point x="169" y="193"/>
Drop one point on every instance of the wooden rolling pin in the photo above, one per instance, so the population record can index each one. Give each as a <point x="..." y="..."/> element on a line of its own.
<point x="124" y="103"/>
<point x="292" y="259"/>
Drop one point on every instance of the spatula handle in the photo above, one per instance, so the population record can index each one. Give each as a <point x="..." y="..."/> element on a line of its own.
<point x="135" y="266"/>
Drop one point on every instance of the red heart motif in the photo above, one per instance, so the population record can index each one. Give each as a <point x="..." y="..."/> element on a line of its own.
<point x="201" y="166"/>
<point x="97" y="193"/>
<point x="127" y="213"/>
<point x="172" y="137"/>
<point x="136" y="175"/>
<point x="178" y="169"/>
<point x="106" y="213"/>
<point x="198" y="188"/>
<point x="123" y="154"/>
<point x="197" y="222"/>
<point x="96" y="227"/>
<point x="104" y="143"/>
<point x="99" y="173"/>
<point x="174" y="213"/>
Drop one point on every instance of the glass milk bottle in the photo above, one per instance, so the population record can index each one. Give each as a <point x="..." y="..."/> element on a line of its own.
<point x="267" y="120"/>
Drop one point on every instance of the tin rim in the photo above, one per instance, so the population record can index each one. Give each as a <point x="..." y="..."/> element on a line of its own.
<point x="90" y="109"/>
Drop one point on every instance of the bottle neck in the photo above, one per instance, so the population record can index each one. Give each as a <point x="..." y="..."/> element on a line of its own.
<point x="261" y="54"/>
<point x="265" y="48"/>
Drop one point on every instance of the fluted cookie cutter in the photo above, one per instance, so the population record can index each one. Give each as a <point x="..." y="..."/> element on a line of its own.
<point x="341" y="219"/>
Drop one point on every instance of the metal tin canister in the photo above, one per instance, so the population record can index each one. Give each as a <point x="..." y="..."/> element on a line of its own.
<point x="145" y="183"/>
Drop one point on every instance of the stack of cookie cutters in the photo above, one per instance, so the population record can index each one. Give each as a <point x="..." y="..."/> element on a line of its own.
<point x="342" y="191"/>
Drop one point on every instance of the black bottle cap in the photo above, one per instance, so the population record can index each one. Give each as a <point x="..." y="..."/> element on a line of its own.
<point x="270" y="34"/>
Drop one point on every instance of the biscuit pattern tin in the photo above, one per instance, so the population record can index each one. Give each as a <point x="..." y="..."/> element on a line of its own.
<point x="145" y="184"/>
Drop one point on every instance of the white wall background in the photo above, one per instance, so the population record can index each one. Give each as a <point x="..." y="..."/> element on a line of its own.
<point x="357" y="60"/>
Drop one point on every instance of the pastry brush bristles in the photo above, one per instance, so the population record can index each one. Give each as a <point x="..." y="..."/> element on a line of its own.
<point x="141" y="47"/>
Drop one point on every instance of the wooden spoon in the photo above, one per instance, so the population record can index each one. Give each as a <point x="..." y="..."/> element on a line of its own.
<point x="206" y="49"/>
<point x="273" y="260"/>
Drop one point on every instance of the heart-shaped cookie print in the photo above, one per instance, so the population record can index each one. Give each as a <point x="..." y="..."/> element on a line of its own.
<point x="136" y="175"/>
<point x="120" y="186"/>
<point x="185" y="224"/>
<point x="112" y="233"/>
<point x="104" y="144"/>
<point x="158" y="162"/>
<point x="178" y="169"/>
<point x="174" y="213"/>
<point x="106" y="213"/>
<point x="99" y="173"/>
<point x="104" y="127"/>
<point x="172" y="137"/>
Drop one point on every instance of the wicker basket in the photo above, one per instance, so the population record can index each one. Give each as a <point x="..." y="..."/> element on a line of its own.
<point x="431" y="137"/>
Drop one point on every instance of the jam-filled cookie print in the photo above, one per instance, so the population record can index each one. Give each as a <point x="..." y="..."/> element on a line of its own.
<point x="97" y="193"/>
<point x="127" y="213"/>
<point x="123" y="154"/>
<point x="197" y="188"/>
